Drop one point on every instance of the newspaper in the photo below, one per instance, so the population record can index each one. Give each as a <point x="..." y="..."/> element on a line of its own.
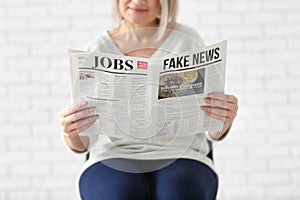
<point x="149" y="97"/>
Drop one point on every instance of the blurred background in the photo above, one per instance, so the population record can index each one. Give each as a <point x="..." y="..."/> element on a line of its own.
<point x="259" y="160"/>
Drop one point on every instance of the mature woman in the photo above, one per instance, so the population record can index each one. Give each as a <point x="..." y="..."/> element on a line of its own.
<point x="157" y="169"/>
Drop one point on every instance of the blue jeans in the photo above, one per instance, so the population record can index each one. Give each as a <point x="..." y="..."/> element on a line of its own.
<point x="183" y="179"/>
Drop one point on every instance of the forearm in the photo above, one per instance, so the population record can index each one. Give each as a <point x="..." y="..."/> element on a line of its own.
<point x="222" y="134"/>
<point x="77" y="143"/>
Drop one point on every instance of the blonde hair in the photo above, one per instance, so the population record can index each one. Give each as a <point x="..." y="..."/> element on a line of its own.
<point x="167" y="15"/>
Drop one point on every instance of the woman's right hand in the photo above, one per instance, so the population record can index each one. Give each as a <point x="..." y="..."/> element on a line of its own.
<point x="74" y="120"/>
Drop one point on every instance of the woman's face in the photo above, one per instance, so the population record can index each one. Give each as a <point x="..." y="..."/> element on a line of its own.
<point x="140" y="12"/>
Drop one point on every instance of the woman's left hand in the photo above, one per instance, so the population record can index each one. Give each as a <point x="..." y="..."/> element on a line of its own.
<point x="222" y="107"/>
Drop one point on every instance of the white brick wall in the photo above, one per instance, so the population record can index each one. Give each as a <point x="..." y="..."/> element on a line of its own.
<point x="258" y="160"/>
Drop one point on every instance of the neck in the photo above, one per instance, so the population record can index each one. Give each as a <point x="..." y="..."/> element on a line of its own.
<point x="138" y="31"/>
<point x="131" y="38"/>
<point x="154" y="23"/>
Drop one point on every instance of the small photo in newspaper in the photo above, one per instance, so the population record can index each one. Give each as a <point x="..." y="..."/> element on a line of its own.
<point x="181" y="84"/>
<point x="86" y="75"/>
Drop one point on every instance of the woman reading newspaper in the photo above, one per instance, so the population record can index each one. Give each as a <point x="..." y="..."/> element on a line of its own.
<point x="161" y="168"/>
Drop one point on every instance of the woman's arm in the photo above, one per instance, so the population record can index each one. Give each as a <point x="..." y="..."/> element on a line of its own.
<point x="74" y="120"/>
<point x="220" y="135"/>
<point x="224" y="108"/>
<point x="77" y="143"/>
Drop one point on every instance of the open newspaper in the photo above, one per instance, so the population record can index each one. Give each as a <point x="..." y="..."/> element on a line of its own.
<point x="149" y="97"/>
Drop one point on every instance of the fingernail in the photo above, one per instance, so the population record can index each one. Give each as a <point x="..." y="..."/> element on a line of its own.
<point x="84" y="103"/>
<point x="92" y="109"/>
<point x="207" y="100"/>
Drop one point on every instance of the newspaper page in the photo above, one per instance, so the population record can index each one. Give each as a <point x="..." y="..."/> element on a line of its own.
<point x="142" y="98"/>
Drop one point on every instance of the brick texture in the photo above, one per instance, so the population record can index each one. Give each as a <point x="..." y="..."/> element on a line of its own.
<point x="259" y="160"/>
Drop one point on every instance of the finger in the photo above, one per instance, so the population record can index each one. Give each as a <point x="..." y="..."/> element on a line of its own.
<point x="71" y="110"/>
<point x="75" y="132"/>
<point x="227" y="117"/>
<point x="220" y="118"/>
<point x="82" y="123"/>
<point x="222" y="104"/>
<point x="77" y="116"/>
<point x="223" y="97"/>
<point x="214" y="110"/>
<point x="216" y="102"/>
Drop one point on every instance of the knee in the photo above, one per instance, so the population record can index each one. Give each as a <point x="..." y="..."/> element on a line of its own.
<point x="103" y="183"/>
<point x="116" y="193"/>
<point x="179" y="192"/>
<point x="187" y="182"/>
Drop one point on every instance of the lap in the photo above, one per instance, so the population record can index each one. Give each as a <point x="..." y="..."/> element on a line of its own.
<point x="182" y="179"/>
